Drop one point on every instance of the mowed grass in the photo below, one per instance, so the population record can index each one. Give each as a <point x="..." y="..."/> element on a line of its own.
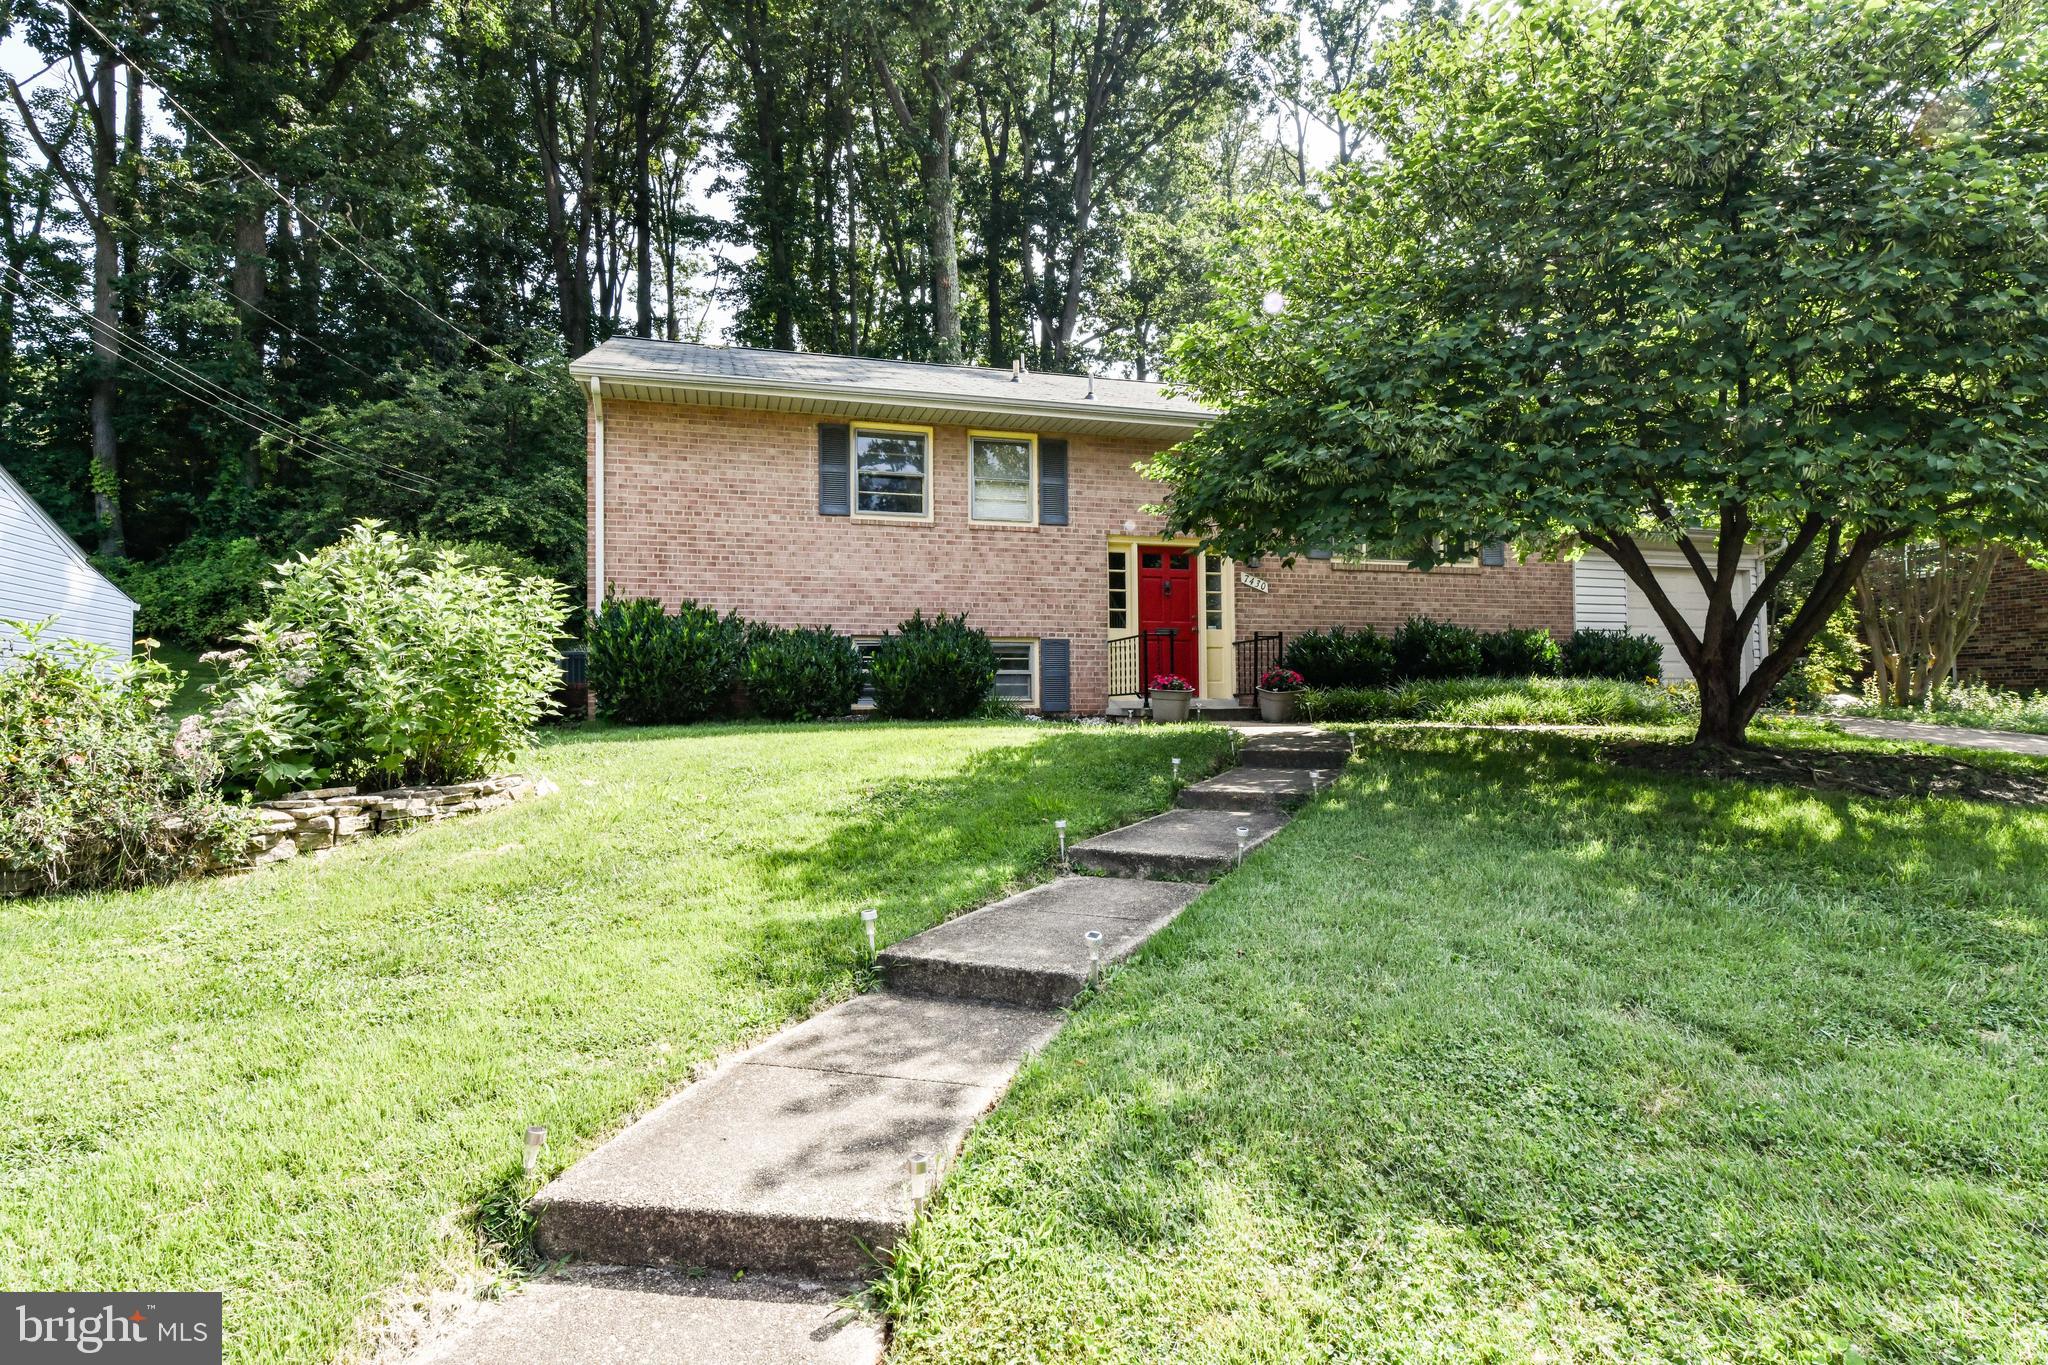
<point x="298" y="1086"/>
<point x="1497" y="1054"/>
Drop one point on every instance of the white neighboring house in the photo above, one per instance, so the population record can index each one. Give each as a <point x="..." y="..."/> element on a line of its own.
<point x="43" y="573"/>
<point x="1606" y="598"/>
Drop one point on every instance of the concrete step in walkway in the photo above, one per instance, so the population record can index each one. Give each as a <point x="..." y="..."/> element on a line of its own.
<point x="1268" y="789"/>
<point x="1181" y="845"/>
<point x="1032" y="948"/>
<point x="1289" y="748"/>
<point x="635" y="1315"/>
<point x="793" y="1158"/>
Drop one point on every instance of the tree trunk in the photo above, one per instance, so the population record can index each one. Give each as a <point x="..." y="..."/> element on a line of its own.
<point x="106" y="269"/>
<point x="643" y="188"/>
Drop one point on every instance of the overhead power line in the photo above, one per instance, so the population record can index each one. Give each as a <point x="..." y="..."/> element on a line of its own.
<point x="286" y="200"/>
<point x="216" y="396"/>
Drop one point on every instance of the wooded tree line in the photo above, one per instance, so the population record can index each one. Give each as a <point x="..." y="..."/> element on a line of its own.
<point x="271" y="266"/>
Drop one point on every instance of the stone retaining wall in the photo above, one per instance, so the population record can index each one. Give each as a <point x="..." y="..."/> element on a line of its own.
<point x="308" y="821"/>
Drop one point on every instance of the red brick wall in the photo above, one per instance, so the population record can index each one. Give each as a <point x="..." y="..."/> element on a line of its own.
<point x="721" y="506"/>
<point x="2010" y="648"/>
<point x="1318" y="593"/>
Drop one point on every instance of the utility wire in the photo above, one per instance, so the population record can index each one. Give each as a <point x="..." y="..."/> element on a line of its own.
<point x="200" y="268"/>
<point x="164" y="91"/>
<point x="218" y="395"/>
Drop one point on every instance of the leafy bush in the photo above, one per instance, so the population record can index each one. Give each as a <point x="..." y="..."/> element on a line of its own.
<point x="1425" y="649"/>
<point x="1490" y="701"/>
<point x="802" y="674"/>
<point x="95" y="789"/>
<point x="382" y="664"/>
<point x="1520" y="654"/>
<point x="200" y="594"/>
<point x="1612" y="654"/>
<point x="937" y="669"/>
<point x="650" y="668"/>
<point x="1342" y="658"/>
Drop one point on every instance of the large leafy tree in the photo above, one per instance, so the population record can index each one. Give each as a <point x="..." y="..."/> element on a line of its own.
<point x="1725" y="275"/>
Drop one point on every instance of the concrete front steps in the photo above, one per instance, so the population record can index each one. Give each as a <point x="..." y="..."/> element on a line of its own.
<point x="794" y="1157"/>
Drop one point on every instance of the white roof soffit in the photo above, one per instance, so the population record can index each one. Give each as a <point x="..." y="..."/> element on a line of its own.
<point x="892" y="392"/>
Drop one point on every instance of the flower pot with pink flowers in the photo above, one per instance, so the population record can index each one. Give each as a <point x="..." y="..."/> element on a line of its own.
<point x="1169" y="696"/>
<point x="1280" y="695"/>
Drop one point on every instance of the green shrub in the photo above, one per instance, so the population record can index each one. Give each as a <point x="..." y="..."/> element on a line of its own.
<point x="648" y="667"/>
<point x="802" y="674"/>
<point x="1425" y="649"/>
<point x="379" y="664"/>
<point x="1612" y="654"/>
<point x="95" y="788"/>
<point x="1493" y="701"/>
<point x="1342" y="658"/>
<point x="937" y="669"/>
<point x="200" y="594"/>
<point x="1520" y="654"/>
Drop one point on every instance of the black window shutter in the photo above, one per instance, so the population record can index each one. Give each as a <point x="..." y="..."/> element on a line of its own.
<point x="835" y="473"/>
<point x="1318" y="554"/>
<point x="1494" y="556"/>
<point x="1052" y="485"/>
<point x="1055" y="695"/>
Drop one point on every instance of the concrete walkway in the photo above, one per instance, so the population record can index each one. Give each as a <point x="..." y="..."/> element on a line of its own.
<point x="795" y="1158"/>
<point x="1913" y="732"/>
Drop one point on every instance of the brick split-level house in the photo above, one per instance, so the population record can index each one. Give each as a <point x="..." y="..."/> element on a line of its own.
<point x="817" y="490"/>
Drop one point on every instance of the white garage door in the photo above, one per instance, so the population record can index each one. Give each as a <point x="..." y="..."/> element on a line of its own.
<point x="1682" y="586"/>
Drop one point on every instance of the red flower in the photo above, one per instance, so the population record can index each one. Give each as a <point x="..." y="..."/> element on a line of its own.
<point x="1171" y="682"/>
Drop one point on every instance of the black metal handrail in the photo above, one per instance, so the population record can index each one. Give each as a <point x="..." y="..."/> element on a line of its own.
<point x="1257" y="655"/>
<point x="1134" y="659"/>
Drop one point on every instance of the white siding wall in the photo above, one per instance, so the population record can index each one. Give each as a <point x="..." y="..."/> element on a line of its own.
<point x="1605" y="598"/>
<point x="43" y="574"/>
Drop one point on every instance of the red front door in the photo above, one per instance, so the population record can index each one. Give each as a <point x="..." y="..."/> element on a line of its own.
<point x="1166" y="601"/>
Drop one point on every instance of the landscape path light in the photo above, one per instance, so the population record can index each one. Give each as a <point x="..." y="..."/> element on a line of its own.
<point x="867" y="922"/>
<point x="1244" y="832"/>
<point x="1093" y="938"/>
<point x="920" y="1180"/>
<point x="536" y="1138"/>
<point x="1061" y="827"/>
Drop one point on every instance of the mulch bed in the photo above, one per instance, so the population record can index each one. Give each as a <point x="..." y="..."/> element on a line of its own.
<point x="1886" y="775"/>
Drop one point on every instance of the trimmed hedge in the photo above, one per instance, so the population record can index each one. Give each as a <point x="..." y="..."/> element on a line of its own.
<point x="1613" y="654"/>
<point x="801" y="674"/>
<point x="936" y="669"/>
<point x="1427" y="649"/>
<point x="650" y="668"/>
<point x="1338" y="657"/>
<point x="1520" y="654"/>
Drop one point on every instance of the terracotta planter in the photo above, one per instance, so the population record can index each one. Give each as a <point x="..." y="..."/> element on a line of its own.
<point x="1171" y="705"/>
<point x="1279" y="707"/>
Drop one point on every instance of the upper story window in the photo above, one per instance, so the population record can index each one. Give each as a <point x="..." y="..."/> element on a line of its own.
<point x="1000" y="476"/>
<point x="1389" y="556"/>
<point x="891" y="469"/>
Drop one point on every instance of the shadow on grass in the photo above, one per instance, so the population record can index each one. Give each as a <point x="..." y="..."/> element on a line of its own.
<point x="1720" y="1063"/>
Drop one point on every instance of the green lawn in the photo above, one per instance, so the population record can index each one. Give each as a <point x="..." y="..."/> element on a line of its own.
<point x="193" y="676"/>
<point x="297" y="1086"/>
<point x="1500" y="1055"/>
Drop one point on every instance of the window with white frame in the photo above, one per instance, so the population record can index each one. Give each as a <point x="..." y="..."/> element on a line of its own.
<point x="999" y="470"/>
<point x="1119" y="588"/>
<point x="890" y="469"/>
<point x="1016" y="677"/>
<point x="1389" y="555"/>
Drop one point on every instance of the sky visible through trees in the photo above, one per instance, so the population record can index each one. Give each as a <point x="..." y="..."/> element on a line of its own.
<point x="270" y="265"/>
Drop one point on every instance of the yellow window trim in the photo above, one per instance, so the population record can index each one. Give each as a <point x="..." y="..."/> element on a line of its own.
<point x="1030" y="485"/>
<point x="853" y="431"/>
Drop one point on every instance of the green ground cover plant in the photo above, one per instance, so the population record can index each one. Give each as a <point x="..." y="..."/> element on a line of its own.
<point x="298" y="1087"/>
<point x="1504" y="701"/>
<point x="1971" y="705"/>
<point x="1499" y="1053"/>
